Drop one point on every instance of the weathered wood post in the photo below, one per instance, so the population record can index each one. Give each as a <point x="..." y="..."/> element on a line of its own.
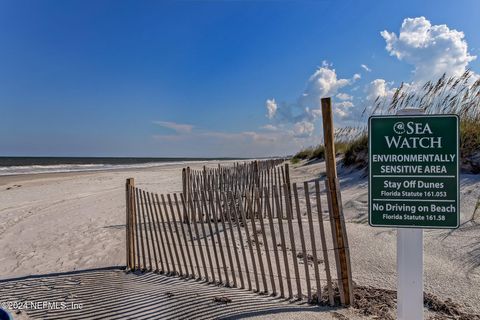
<point x="185" y="174"/>
<point x="256" y="185"/>
<point x="129" y="223"/>
<point x="184" y="181"/>
<point x="289" y="187"/>
<point x="339" y="231"/>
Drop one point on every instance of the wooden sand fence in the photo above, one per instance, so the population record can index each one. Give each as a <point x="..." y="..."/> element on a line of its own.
<point x="240" y="179"/>
<point x="224" y="242"/>
<point x="247" y="226"/>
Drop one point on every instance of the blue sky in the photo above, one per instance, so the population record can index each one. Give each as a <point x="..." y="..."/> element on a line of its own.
<point x="195" y="78"/>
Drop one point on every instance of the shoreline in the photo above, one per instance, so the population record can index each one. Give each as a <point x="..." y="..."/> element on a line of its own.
<point x="15" y="178"/>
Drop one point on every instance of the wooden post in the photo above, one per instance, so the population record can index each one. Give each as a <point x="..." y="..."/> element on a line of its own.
<point x="188" y="182"/>
<point x="331" y="171"/>
<point x="287" y="181"/>
<point x="184" y="191"/>
<point x="128" y="223"/>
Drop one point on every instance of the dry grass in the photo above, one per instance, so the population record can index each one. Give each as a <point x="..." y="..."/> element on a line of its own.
<point x="448" y="95"/>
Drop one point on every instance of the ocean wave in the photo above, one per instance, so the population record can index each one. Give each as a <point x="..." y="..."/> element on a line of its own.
<point x="61" y="168"/>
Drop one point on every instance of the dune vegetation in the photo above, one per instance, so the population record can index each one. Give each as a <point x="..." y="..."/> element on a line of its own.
<point x="448" y="95"/>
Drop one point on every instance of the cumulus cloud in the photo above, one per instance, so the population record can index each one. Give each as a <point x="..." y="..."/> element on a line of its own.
<point x="271" y="106"/>
<point x="303" y="129"/>
<point x="379" y="88"/>
<point x="300" y="116"/>
<point x="344" y="96"/>
<point x="366" y="68"/>
<point x="323" y="83"/>
<point x="177" y="127"/>
<point x="432" y="49"/>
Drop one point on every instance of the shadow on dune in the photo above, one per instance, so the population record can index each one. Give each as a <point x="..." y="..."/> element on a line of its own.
<point x="112" y="293"/>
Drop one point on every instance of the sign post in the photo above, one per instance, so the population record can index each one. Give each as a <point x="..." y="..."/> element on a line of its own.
<point x="413" y="185"/>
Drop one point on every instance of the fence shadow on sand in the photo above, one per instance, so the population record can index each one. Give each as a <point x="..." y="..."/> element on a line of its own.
<point x="112" y="293"/>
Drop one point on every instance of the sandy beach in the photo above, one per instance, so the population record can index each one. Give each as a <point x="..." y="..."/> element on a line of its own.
<point x="63" y="222"/>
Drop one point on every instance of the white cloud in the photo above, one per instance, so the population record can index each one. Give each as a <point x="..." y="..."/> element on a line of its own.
<point x="303" y="129"/>
<point x="272" y="107"/>
<point x="345" y="104"/>
<point x="379" y="88"/>
<point x="323" y="83"/>
<point x="269" y="127"/>
<point x="177" y="127"/>
<point x="431" y="49"/>
<point x="300" y="117"/>
<point x="366" y="68"/>
<point x="344" y="96"/>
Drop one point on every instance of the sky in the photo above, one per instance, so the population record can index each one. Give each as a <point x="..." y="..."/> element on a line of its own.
<point x="212" y="78"/>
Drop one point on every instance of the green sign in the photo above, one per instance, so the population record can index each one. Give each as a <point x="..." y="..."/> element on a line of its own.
<point x="414" y="171"/>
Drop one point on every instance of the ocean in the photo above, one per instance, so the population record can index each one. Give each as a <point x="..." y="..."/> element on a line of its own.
<point x="34" y="165"/>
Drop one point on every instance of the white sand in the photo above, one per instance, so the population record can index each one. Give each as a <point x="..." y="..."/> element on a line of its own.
<point x="65" y="222"/>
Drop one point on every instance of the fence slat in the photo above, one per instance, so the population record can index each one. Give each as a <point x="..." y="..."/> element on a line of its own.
<point x="227" y="242"/>
<point x="284" y="244"/>
<point x="265" y="244"/>
<point x="212" y="216"/>
<point x="325" y="253"/>
<point x="227" y="216"/>
<point x="302" y="241"/>
<point x="145" y="226"/>
<point x="165" y="234"/>
<point x="205" y="241"/>
<point x="177" y="256"/>
<point x="177" y="270"/>
<point x="138" y="200"/>
<point x="189" y="228"/>
<point x="156" y="231"/>
<point x="312" y="240"/>
<point x="172" y="211"/>
<point x="209" y="217"/>
<point x="197" y="234"/>
<point x="240" y="237"/>
<point x="293" y="249"/>
<point x="232" y="234"/>
<point x="150" y="225"/>
<point x="274" y="243"/>
<point x="184" y="251"/>
<point x="160" y="243"/>
<point x="249" y="242"/>
<point x="257" y="244"/>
